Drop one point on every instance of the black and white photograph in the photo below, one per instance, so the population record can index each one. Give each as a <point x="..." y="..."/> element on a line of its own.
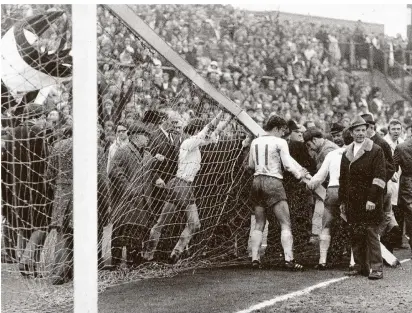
<point x="36" y="158"/>
<point x="196" y="158"/>
<point x="253" y="160"/>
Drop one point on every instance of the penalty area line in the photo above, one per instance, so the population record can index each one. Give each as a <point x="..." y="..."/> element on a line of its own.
<point x="295" y="294"/>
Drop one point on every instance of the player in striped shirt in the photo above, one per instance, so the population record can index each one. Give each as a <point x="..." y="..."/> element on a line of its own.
<point x="268" y="156"/>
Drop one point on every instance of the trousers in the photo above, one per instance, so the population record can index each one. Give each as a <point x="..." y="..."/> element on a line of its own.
<point x="366" y="246"/>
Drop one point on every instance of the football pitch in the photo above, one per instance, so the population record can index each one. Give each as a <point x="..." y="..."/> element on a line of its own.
<point x="242" y="289"/>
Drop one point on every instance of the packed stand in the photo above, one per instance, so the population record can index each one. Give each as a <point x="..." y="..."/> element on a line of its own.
<point x="265" y="65"/>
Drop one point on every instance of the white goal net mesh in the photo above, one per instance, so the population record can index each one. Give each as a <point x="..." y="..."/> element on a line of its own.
<point x="36" y="165"/>
<point x="141" y="91"/>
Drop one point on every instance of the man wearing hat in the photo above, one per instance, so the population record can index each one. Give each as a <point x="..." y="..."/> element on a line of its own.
<point x="361" y="189"/>
<point x="129" y="172"/>
<point x="26" y="194"/>
<point x="336" y="131"/>
<point x="390" y="220"/>
<point x="180" y="189"/>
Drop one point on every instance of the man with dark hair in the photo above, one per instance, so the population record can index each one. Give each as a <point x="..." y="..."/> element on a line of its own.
<point x="361" y="189"/>
<point x="402" y="158"/>
<point x="269" y="154"/>
<point x="389" y="221"/>
<point x="316" y="142"/>
<point x="336" y="132"/>
<point x="318" y="147"/>
<point x="180" y="187"/>
<point x="300" y="199"/>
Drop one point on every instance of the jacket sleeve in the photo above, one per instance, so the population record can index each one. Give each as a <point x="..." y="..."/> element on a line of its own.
<point x="343" y="179"/>
<point x="379" y="176"/>
<point x="390" y="166"/>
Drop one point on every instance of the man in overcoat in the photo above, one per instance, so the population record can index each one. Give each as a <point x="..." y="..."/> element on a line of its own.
<point x="27" y="197"/>
<point x="130" y="171"/>
<point x="362" y="183"/>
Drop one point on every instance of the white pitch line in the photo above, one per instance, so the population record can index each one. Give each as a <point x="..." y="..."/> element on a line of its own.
<point x="295" y="294"/>
<point x="291" y="295"/>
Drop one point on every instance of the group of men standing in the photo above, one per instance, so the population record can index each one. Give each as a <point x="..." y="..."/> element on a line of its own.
<point x="360" y="171"/>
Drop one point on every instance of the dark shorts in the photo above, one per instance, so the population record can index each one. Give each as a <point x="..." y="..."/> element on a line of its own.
<point x="267" y="191"/>
<point x="332" y="203"/>
<point x="179" y="192"/>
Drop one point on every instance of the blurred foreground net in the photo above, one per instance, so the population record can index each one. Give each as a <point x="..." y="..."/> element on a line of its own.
<point x="36" y="165"/>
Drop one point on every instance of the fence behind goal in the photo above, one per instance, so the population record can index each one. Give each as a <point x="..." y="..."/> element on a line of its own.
<point x="132" y="78"/>
<point x="36" y="162"/>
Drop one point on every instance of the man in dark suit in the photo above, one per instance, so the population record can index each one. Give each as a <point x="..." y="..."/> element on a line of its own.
<point x="299" y="197"/>
<point x="27" y="198"/>
<point x="130" y="173"/>
<point x="361" y="188"/>
<point x="403" y="160"/>
<point x="390" y="222"/>
<point x="165" y="142"/>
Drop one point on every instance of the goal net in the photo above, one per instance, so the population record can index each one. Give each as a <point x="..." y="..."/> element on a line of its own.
<point x="36" y="165"/>
<point x="148" y="78"/>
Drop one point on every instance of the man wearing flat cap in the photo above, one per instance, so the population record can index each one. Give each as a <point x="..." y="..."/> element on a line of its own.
<point x="389" y="222"/>
<point x="129" y="171"/>
<point x="361" y="189"/>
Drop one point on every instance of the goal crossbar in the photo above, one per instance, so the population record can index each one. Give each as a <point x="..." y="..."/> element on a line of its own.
<point x="140" y="28"/>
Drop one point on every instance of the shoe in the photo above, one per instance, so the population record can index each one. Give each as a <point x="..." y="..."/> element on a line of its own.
<point x="256" y="264"/>
<point x="27" y="270"/>
<point x="313" y="240"/>
<point x="321" y="267"/>
<point x="353" y="271"/>
<point x="375" y="275"/>
<point x="293" y="266"/>
<point x="173" y="258"/>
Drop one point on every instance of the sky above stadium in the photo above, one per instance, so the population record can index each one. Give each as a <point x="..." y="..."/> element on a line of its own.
<point x="394" y="16"/>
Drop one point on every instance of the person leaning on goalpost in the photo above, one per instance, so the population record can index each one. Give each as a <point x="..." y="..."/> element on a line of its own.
<point x="180" y="190"/>
<point x="267" y="155"/>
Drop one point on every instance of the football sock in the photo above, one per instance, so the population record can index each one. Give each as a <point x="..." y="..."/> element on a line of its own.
<point x="287" y="244"/>
<point x="255" y="242"/>
<point x="324" y="243"/>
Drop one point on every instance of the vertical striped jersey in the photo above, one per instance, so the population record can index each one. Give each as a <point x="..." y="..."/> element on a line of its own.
<point x="267" y="156"/>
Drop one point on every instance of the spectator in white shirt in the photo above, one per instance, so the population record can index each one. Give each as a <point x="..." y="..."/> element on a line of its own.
<point x="330" y="167"/>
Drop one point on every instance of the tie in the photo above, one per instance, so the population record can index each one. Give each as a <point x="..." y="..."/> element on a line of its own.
<point x="171" y="138"/>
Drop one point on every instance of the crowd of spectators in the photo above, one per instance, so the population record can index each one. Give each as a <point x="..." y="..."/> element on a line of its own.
<point x="299" y="70"/>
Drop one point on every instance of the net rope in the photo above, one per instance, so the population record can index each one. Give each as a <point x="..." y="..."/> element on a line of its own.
<point x="36" y="167"/>
<point x="131" y="75"/>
